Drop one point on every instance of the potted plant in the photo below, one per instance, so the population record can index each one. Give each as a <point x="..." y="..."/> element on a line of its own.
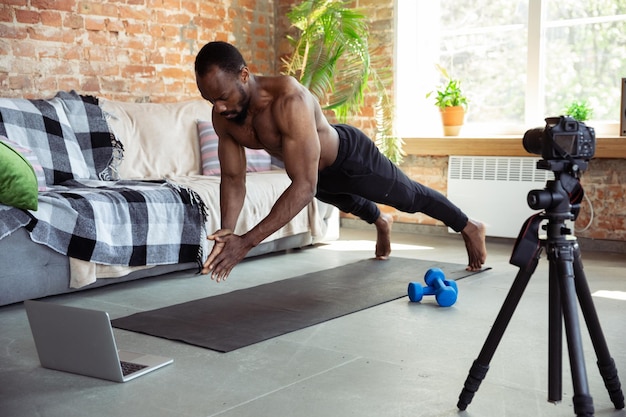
<point x="580" y="110"/>
<point x="452" y="103"/>
<point x="331" y="57"/>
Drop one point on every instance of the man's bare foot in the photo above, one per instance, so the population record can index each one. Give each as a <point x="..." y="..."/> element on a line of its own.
<point x="474" y="237"/>
<point x="383" y="236"/>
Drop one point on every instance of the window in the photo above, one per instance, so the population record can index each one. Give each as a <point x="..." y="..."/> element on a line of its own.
<point x="519" y="61"/>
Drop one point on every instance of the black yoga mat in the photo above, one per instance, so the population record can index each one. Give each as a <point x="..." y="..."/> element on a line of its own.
<point x="243" y="317"/>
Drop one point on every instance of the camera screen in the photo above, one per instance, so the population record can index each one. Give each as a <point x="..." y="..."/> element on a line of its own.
<point x="567" y="142"/>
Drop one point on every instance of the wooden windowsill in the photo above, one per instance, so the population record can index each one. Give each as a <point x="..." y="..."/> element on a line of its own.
<point x="606" y="146"/>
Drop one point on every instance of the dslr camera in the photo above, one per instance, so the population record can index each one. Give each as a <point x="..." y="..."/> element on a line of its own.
<point x="562" y="138"/>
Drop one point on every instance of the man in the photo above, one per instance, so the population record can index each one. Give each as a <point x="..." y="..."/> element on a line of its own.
<point x="337" y="164"/>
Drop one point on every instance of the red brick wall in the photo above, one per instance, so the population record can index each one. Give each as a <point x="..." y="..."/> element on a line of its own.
<point x="135" y="50"/>
<point x="605" y="212"/>
<point x="143" y="50"/>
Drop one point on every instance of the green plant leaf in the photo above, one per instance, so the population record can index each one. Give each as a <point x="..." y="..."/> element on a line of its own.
<point x="580" y="110"/>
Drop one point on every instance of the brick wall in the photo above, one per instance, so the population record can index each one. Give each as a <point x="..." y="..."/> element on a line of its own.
<point x="605" y="211"/>
<point x="134" y="50"/>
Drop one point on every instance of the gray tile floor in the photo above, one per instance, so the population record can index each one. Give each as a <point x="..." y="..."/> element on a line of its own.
<point x="397" y="359"/>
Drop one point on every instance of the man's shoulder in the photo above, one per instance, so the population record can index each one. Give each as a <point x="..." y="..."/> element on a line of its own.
<point x="287" y="95"/>
<point x="281" y="85"/>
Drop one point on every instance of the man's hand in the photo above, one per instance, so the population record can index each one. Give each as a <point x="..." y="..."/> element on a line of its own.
<point x="229" y="249"/>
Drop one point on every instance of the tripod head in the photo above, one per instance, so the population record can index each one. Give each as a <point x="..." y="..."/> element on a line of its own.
<point x="563" y="194"/>
<point x="559" y="200"/>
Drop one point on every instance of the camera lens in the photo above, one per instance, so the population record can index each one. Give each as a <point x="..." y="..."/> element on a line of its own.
<point x="532" y="140"/>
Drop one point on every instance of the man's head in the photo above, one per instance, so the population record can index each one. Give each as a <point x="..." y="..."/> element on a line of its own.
<point x="221" y="54"/>
<point x="221" y="77"/>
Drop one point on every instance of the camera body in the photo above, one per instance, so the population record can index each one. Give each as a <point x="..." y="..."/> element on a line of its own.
<point x="563" y="137"/>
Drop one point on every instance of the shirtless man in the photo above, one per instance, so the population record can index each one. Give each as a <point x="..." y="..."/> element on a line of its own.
<point x="337" y="164"/>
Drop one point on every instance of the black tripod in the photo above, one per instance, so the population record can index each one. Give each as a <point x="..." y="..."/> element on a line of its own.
<point x="560" y="201"/>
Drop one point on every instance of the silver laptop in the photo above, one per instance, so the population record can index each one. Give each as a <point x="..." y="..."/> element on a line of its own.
<point x="81" y="341"/>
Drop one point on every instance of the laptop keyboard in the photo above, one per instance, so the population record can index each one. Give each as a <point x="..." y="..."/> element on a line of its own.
<point x="129" y="367"/>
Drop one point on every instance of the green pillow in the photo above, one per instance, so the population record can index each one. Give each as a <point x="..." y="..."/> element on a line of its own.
<point x="18" y="183"/>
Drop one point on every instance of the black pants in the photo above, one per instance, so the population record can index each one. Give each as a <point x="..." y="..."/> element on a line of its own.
<point x="362" y="176"/>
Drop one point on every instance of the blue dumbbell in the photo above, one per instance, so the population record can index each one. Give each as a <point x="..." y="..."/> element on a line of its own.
<point x="444" y="290"/>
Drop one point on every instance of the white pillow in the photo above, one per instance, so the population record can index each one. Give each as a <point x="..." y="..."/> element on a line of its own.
<point x="159" y="139"/>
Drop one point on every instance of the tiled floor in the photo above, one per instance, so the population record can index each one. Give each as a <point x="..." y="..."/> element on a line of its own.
<point x="397" y="359"/>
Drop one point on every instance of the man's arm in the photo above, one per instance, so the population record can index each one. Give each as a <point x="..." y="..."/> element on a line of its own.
<point x="232" y="190"/>
<point x="233" y="180"/>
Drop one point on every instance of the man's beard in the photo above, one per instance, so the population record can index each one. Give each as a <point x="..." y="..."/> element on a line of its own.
<point x="240" y="117"/>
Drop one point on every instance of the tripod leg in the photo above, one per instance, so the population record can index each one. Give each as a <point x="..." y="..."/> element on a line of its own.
<point x="480" y="366"/>
<point x="606" y="364"/>
<point x="555" y="337"/>
<point x="564" y="257"/>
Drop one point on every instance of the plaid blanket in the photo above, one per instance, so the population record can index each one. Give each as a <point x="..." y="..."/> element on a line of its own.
<point x="68" y="133"/>
<point x="116" y="223"/>
<point x="110" y="222"/>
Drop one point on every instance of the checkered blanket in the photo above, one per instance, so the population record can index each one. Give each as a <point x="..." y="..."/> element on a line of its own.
<point x="68" y="134"/>
<point x="80" y="215"/>
<point x="115" y="222"/>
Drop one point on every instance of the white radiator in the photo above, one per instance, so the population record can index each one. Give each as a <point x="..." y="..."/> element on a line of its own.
<point x="494" y="189"/>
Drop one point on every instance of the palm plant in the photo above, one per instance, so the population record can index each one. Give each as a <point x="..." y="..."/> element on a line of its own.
<point x="329" y="34"/>
<point x="331" y="58"/>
